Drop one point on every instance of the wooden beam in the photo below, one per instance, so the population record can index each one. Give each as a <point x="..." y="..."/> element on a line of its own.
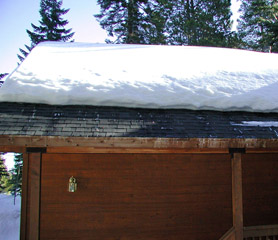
<point x="262" y="150"/>
<point x="134" y="150"/>
<point x="237" y="195"/>
<point x="33" y="197"/>
<point x="230" y="235"/>
<point x="8" y="141"/>
<point x="16" y="149"/>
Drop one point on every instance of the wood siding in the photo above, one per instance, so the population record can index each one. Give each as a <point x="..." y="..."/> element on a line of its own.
<point x="136" y="196"/>
<point x="260" y="189"/>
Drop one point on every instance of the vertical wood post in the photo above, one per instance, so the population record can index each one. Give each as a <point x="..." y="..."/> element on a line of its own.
<point x="23" y="220"/>
<point x="237" y="195"/>
<point x="34" y="196"/>
<point x="30" y="219"/>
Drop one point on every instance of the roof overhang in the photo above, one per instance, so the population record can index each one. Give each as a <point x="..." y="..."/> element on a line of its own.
<point x="135" y="145"/>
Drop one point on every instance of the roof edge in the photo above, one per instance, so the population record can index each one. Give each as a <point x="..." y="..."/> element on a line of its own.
<point x="137" y="145"/>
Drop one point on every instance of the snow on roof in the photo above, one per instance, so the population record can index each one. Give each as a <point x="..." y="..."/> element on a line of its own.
<point x="145" y="76"/>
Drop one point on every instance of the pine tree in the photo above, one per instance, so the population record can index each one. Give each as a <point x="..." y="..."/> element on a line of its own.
<point x="157" y="14"/>
<point x="133" y="21"/>
<point x="51" y="28"/>
<point x="24" y="52"/>
<point x="2" y="75"/>
<point x="205" y="23"/>
<point x="4" y="175"/>
<point x="15" y="182"/>
<point x="258" y="25"/>
<point x="177" y="22"/>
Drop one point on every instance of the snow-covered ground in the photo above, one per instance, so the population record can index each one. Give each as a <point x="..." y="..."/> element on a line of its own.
<point x="9" y="217"/>
<point x="146" y="76"/>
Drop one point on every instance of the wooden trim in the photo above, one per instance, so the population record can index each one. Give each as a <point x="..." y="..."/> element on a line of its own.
<point x="230" y="235"/>
<point x="33" y="202"/>
<point x="17" y="149"/>
<point x="237" y="195"/>
<point x="261" y="231"/>
<point x="24" y="197"/>
<point x="10" y="141"/>
<point x="133" y="150"/>
<point x="261" y="150"/>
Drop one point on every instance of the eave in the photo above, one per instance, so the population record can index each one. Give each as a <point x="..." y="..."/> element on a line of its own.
<point x="135" y="145"/>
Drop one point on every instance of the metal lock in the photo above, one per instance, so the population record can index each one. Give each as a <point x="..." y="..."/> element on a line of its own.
<point x="72" y="184"/>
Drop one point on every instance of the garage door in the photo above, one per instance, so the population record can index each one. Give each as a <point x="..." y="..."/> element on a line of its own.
<point x="135" y="196"/>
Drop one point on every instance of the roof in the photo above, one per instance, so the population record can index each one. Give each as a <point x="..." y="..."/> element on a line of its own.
<point x="146" y="76"/>
<point x="24" y="119"/>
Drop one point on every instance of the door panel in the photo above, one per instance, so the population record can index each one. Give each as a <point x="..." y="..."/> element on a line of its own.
<point x="136" y="196"/>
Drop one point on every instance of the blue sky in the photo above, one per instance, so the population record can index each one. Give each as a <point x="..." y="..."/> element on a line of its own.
<point x="17" y="15"/>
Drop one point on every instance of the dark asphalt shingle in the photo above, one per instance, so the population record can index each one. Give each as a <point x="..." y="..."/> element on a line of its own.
<point x="90" y="121"/>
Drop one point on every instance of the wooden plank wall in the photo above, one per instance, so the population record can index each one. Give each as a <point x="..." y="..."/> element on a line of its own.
<point x="136" y="196"/>
<point x="260" y="189"/>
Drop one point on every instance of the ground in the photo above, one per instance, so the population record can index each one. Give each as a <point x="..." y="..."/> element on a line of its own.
<point x="9" y="217"/>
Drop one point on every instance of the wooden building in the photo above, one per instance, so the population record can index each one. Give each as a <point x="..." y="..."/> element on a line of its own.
<point x="144" y="173"/>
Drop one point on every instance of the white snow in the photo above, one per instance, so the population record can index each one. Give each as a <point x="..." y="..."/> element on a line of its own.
<point x="9" y="217"/>
<point x="257" y="124"/>
<point x="146" y="76"/>
<point x="9" y="159"/>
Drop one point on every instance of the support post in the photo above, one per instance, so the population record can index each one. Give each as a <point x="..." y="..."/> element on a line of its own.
<point x="34" y="196"/>
<point x="237" y="195"/>
<point x="23" y="221"/>
<point x="30" y="220"/>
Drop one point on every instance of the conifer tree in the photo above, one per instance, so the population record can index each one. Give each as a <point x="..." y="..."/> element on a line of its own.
<point x="157" y="14"/>
<point x="133" y="21"/>
<point x="4" y="175"/>
<point x="14" y="184"/>
<point x="51" y="28"/>
<point x="258" y="25"/>
<point x="197" y="22"/>
<point x="2" y="75"/>
<point x="177" y="22"/>
<point x="24" y="52"/>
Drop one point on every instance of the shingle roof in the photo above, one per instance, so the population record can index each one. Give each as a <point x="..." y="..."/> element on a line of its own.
<point x="90" y="121"/>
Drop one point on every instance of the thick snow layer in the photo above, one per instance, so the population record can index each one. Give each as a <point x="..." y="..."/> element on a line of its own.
<point x="9" y="217"/>
<point x="146" y="76"/>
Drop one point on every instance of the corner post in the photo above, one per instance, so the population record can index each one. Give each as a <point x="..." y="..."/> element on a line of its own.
<point x="23" y="215"/>
<point x="237" y="191"/>
<point x="30" y="224"/>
